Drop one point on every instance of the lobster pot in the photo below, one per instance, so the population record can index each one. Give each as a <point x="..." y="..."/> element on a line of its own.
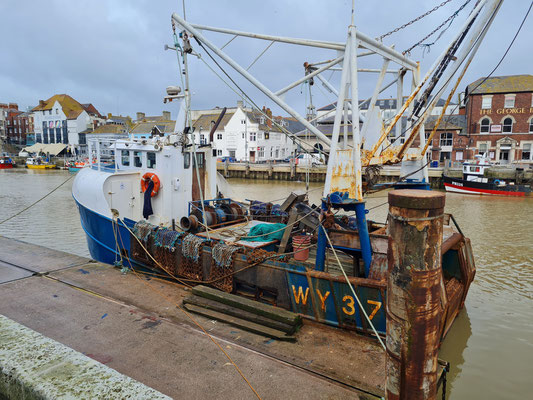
<point x="191" y="265"/>
<point x="222" y="266"/>
<point x="164" y="249"/>
<point x="143" y="232"/>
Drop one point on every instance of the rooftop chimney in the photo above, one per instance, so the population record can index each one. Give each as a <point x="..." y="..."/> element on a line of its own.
<point x="166" y="115"/>
<point x="140" y="116"/>
<point x="240" y="104"/>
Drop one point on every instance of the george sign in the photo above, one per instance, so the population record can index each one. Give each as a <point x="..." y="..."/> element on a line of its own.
<point x="496" y="128"/>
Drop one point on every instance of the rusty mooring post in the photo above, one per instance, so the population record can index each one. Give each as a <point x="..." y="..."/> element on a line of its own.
<point x="413" y="293"/>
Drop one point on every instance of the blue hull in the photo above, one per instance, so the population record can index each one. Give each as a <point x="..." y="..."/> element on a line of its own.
<point x="100" y="238"/>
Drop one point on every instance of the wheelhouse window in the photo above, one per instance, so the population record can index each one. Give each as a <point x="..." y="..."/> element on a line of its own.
<point x="509" y="101"/>
<point x="507" y="125"/>
<point x="446" y="139"/>
<point x="125" y="157"/>
<point x="485" y="125"/>
<point x="486" y="102"/>
<point x="150" y="159"/>
<point x="186" y="160"/>
<point x="526" y="151"/>
<point x="137" y="160"/>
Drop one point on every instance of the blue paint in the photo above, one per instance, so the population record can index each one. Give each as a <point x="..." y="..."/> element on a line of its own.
<point x="100" y="239"/>
<point x="269" y="341"/>
<point x="364" y="236"/>
<point x="320" y="260"/>
<point x="103" y="316"/>
<point x="83" y="271"/>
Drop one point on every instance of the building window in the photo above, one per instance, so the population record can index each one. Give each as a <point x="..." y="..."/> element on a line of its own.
<point x="58" y="135"/>
<point x="531" y="125"/>
<point x="57" y="111"/>
<point x="509" y="101"/>
<point x="243" y="121"/>
<point x="259" y="135"/>
<point x="486" y="102"/>
<point x="261" y="152"/>
<point x="526" y="151"/>
<point x="262" y="120"/>
<point x="219" y="136"/>
<point x="459" y="156"/>
<point x="219" y="152"/>
<point x="243" y="135"/>
<point x="507" y="125"/>
<point x="485" y="125"/>
<point x="137" y="161"/>
<point x="446" y="139"/>
<point x="232" y="153"/>
<point x="483" y="148"/>
<point x="150" y="159"/>
<point x="252" y="136"/>
<point x="202" y="139"/>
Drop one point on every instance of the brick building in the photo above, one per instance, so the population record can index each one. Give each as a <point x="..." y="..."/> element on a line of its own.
<point x="16" y="123"/>
<point x="450" y="141"/>
<point x="499" y="112"/>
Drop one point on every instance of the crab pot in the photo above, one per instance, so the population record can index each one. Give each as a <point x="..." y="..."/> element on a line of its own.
<point x="413" y="293"/>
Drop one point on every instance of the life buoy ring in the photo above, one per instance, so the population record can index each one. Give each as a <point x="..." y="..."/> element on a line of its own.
<point x="146" y="179"/>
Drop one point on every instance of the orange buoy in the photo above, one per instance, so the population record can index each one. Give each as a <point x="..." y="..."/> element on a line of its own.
<point x="145" y="180"/>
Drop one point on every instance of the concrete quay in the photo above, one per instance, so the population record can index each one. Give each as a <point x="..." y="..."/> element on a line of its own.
<point x="133" y="325"/>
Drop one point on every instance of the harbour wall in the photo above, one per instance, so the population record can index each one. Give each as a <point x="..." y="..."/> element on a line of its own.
<point x="288" y="172"/>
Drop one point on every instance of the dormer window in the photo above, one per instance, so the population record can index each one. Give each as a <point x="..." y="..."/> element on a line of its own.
<point x="262" y="120"/>
<point x="509" y="100"/>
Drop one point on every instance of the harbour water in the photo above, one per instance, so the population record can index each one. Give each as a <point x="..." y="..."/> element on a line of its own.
<point x="490" y="346"/>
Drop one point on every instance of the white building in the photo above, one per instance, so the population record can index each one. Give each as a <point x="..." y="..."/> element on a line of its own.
<point x="61" y="119"/>
<point x="244" y="134"/>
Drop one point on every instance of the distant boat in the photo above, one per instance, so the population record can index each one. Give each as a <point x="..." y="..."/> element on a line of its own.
<point x="475" y="182"/>
<point x="39" y="163"/>
<point x="6" y="163"/>
<point x="75" y="166"/>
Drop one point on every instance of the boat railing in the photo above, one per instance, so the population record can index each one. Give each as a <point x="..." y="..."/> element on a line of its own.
<point x="102" y="153"/>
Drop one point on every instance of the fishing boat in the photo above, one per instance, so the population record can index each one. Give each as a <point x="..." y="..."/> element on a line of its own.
<point x="39" y="163"/>
<point x="6" y="162"/>
<point x="475" y="182"/>
<point x="76" y="165"/>
<point x="160" y="205"/>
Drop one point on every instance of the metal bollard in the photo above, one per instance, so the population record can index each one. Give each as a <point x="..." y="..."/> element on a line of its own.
<point x="413" y="293"/>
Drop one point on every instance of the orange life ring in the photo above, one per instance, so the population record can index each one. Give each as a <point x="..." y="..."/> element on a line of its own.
<point x="146" y="179"/>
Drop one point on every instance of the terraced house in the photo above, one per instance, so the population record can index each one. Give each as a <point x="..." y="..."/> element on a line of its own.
<point x="499" y="111"/>
<point x="62" y="119"/>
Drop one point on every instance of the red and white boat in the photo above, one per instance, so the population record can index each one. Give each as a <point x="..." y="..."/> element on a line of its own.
<point x="6" y="162"/>
<point x="475" y="182"/>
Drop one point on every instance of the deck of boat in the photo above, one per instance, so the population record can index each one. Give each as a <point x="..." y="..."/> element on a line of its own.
<point x="132" y="324"/>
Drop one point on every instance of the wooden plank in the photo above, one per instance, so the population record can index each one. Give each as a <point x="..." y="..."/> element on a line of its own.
<point x="288" y="230"/>
<point x="240" y="323"/>
<point x="275" y="313"/>
<point x="237" y="312"/>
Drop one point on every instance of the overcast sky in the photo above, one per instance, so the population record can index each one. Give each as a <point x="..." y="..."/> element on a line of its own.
<point x="110" y="52"/>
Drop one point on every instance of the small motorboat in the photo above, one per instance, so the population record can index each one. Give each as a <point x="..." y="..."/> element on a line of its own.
<point x="39" y="163"/>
